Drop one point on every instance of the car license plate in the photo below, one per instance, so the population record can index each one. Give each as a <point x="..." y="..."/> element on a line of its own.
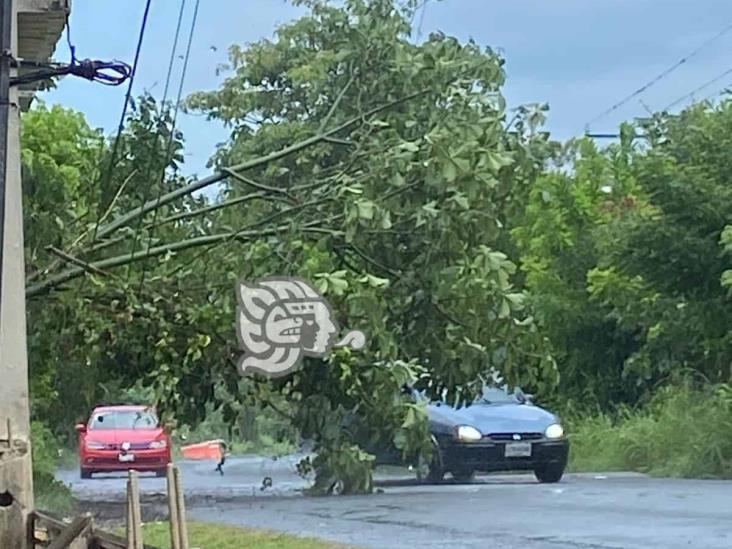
<point x="126" y="457"/>
<point x="518" y="449"/>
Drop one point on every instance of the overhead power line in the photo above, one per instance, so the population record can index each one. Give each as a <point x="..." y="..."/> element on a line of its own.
<point x="717" y="93"/>
<point x="693" y="92"/>
<point x="421" y="19"/>
<point x="160" y="120"/>
<point x="171" y="136"/>
<point x="659" y="77"/>
<point x="125" y="106"/>
<point x="106" y="176"/>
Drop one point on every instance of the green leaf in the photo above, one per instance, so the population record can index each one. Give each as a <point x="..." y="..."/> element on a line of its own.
<point x="386" y="220"/>
<point x="449" y="171"/>
<point x="461" y="200"/>
<point x="374" y="281"/>
<point x="409" y="146"/>
<point x="517" y="299"/>
<point x="365" y="209"/>
<point x="397" y="179"/>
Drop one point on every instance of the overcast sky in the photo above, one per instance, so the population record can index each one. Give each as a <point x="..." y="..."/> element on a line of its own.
<point x="580" y="56"/>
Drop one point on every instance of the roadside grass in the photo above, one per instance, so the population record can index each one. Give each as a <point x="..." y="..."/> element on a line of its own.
<point x="682" y="432"/>
<point x="216" y="536"/>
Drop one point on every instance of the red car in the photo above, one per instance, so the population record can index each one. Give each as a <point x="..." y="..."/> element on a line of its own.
<point x="120" y="438"/>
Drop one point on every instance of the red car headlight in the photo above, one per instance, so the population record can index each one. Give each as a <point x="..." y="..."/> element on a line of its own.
<point x="158" y="444"/>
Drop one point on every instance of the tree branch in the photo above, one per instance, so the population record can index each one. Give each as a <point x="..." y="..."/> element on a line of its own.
<point x="335" y="104"/>
<point x="339" y="141"/>
<point x="76" y="261"/>
<point x="372" y="261"/>
<point x="126" y="259"/>
<point x="260" y="186"/>
<point x="211" y="208"/>
<point x="244" y="166"/>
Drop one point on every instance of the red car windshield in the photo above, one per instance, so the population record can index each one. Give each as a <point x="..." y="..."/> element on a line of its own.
<point x="123" y="419"/>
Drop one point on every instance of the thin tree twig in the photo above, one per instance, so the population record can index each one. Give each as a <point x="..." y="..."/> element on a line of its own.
<point x="57" y="262"/>
<point x="372" y="261"/>
<point x="257" y="185"/>
<point x="212" y="208"/>
<point x="339" y="141"/>
<point x="76" y="261"/>
<point x="336" y="104"/>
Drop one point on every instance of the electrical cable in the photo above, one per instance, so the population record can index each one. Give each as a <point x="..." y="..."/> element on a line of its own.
<point x="161" y="117"/>
<point x="700" y="88"/>
<point x="659" y="77"/>
<point x="109" y="73"/>
<point x="171" y="136"/>
<point x="717" y="93"/>
<point x="106" y="177"/>
<point x="421" y="19"/>
<point x="125" y="106"/>
<point x="72" y="48"/>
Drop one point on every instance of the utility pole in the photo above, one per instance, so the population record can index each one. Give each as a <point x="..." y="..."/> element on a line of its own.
<point x="16" y="473"/>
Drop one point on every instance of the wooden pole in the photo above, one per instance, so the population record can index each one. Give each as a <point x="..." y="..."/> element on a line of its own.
<point x="134" y="515"/>
<point x="173" y="508"/>
<point x="128" y="527"/>
<point x="181" y="504"/>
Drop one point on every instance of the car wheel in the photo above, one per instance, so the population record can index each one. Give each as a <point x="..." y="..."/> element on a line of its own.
<point x="549" y="473"/>
<point x="85" y="473"/>
<point x="463" y="475"/>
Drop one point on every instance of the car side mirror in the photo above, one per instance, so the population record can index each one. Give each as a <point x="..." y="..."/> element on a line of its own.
<point x="80" y="427"/>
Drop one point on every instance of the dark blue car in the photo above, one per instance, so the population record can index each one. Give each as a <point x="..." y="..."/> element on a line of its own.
<point x="499" y="431"/>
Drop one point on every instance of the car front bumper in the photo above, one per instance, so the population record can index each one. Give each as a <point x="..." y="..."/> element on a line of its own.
<point x="108" y="460"/>
<point x="490" y="456"/>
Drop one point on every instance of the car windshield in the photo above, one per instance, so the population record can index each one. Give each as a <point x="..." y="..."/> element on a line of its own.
<point x="496" y="395"/>
<point x="123" y="419"/>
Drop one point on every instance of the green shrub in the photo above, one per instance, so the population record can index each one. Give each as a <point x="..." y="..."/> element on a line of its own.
<point x="682" y="432"/>
<point x="50" y="494"/>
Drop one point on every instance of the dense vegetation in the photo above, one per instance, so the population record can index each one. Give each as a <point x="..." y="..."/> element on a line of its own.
<point x="451" y="229"/>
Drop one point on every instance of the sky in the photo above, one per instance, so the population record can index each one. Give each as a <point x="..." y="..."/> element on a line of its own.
<point x="579" y="56"/>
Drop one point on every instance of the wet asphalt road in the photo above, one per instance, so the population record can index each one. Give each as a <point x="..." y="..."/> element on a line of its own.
<point x="498" y="511"/>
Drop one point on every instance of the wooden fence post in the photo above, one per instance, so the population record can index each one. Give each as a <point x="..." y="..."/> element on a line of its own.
<point x="181" y="505"/>
<point x="134" y="514"/>
<point x="173" y="508"/>
<point x="128" y="526"/>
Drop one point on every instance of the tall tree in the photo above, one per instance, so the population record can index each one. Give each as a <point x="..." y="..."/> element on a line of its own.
<point x="385" y="171"/>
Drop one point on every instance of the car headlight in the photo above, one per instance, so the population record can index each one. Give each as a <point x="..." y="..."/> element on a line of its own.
<point x="158" y="444"/>
<point x="92" y="445"/>
<point x="554" y="431"/>
<point x="466" y="433"/>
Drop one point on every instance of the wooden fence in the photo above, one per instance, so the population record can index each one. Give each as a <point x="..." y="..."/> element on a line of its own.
<point x="50" y="531"/>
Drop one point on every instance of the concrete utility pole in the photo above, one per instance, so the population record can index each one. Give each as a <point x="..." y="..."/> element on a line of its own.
<point x="16" y="478"/>
<point x="28" y="29"/>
